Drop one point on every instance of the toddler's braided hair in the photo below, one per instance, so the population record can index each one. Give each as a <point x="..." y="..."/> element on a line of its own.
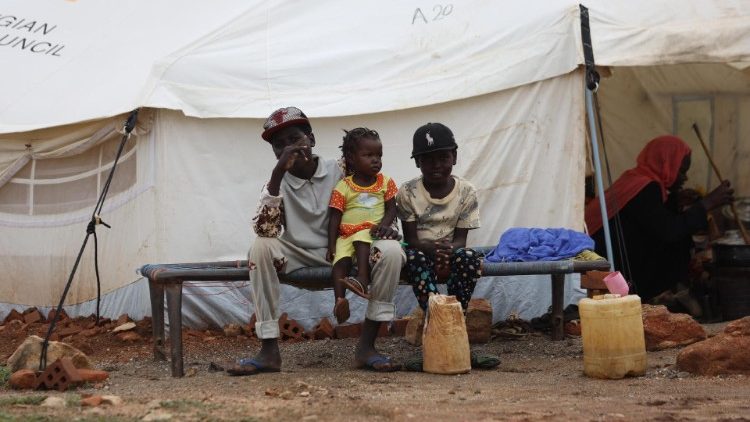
<point x="351" y="140"/>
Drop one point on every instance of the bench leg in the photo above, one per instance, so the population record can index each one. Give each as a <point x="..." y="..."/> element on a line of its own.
<point x="174" y="304"/>
<point x="558" y="303"/>
<point x="156" y="291"/>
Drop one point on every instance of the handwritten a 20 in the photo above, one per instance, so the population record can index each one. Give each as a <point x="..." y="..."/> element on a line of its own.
<point x="439" y="12"/>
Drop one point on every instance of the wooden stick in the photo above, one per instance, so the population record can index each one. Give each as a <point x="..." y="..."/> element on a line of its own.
<point x="745" y="235"/>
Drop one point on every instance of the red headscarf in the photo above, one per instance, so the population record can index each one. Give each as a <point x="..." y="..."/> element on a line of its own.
<point x="659" y="161"/>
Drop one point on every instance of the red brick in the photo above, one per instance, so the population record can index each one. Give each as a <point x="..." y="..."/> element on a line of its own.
<point x="290" y="329"/>
<point x="60" y="375"/>
<point x="479" y="321"/>
<point x="122" y="319"/>
<point x="33" y="316"/>
<point x="383" y="330"/>
<point x="69" y="331"/>
<point x="398" y="327"/>
<point x="323" y="330"/>
<point x="13" y="315"/>
<point x="348" y="330"/>
<point x="51" y="315"/>
<point x="22" y="379"/>
<point x="92" y="375"/>
<point x="594" y="280"/>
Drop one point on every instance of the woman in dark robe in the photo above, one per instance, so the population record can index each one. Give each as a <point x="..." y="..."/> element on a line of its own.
<point x="656" y="233"/>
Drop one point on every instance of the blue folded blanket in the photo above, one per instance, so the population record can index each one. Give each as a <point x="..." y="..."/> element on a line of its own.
<point x="527" y="244"/>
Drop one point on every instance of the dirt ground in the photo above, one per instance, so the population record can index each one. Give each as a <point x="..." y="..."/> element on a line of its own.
<point x="538" y="379"/>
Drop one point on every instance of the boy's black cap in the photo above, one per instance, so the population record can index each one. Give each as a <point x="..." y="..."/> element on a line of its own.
<point x="432" y="137"/>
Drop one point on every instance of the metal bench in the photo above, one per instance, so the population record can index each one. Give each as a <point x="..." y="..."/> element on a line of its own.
<point x="168" y="278"/>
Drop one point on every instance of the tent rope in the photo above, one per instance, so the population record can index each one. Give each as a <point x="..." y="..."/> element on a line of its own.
<point x="90" y="230"/>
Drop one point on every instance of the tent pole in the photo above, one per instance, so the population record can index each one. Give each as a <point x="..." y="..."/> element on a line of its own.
<point x="598" y="174"/>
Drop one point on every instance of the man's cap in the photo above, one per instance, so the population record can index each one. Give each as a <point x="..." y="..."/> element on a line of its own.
<point x="283" y="118"/>
<point x="432" y="137"/>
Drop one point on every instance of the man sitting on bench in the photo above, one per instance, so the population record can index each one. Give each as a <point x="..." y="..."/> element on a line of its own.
<point x="296" y="198"/>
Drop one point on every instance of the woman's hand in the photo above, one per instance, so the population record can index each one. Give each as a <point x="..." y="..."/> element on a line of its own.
<point x="722" y="195"/>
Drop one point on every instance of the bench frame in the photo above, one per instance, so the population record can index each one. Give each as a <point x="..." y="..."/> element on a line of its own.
<point x="167" y="279"/>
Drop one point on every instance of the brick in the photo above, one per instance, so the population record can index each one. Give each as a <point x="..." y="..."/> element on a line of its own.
<point x="232" y="330"/>
<point x="52" y="312"/>
<point x="594" y="280"/>
<point x="398" y="327"/>
<point x="323" y="330"/>
<point x="91" y="332"/>
<point x="414" y="327"/>
<point x="479" y="321"/>
<point x="93" y="375"/>
<point x="384" y="330"/>
<point x="69" y="331"/>
<point x="23" y="379"/>
<point x="91" y="401"/>
<point x="33" y="316"/>
<point x="60" y="375"/>
<point x="122" y="319"/>
<point x="290" y="329"/>
<point x="348" y="330"/>
<point x="13" y="315"/>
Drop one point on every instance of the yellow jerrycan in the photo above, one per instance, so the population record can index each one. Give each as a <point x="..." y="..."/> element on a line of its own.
<point x="614" y="345"/>
<point x="445" y="342"/>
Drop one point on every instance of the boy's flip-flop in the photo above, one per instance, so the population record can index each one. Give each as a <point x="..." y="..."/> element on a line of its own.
<point x="380" y="363"/>
<point x="341" y="310"/>
<point x="355" y="286"/>
<point x="248" y="366"/>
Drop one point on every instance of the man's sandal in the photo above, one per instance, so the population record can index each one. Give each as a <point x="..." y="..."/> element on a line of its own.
<point x="355" y="286"/>
<point x="248" y="366"/>
<point x="341" y="310"/>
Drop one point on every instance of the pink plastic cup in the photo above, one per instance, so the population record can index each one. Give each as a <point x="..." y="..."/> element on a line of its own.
<point x="616" y="283"/>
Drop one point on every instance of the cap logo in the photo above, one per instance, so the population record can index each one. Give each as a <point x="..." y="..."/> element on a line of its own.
<point x="278" y="117"/>
<point x="430" y="141"/>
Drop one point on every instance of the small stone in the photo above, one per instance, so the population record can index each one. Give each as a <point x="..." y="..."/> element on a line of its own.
<point x="232" y="330"/>
<point x="191" y="372"/>
<point x="92" y="401"/>
<point x="123" y="319"/>
<point x="22" y="379"/>
<point x="129" y="336"/>
<point x="157" y="415"/>
<point x="286" y="395"/>
<point x="304" y="394"/>
<point x="53" y="401"/>
<point x="124" y="327"/>
<point x="153" y="404"/>
<point x="112" y="400"/>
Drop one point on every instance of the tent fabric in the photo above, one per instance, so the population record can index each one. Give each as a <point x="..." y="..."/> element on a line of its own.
<point x="503" y="76"/>
<point x="235" y="58"/>
<point x="209" y="173"/>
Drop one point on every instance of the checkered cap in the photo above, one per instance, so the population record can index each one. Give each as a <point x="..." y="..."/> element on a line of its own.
<point x="282" y="118"/>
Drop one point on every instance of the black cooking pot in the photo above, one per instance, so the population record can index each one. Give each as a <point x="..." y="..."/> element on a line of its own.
<point x="731" y="255"/>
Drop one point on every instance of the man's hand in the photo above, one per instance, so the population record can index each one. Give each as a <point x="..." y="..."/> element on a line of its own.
<point x="292" y="153"/>
<point x="330" y="255"/>
<point x="384" y="232"/>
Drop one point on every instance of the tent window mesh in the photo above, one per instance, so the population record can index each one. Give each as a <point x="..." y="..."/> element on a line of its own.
<point x="65" y="185"/>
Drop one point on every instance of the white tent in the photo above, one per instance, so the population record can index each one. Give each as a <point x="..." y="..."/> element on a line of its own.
<point x="504" y="77"/>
